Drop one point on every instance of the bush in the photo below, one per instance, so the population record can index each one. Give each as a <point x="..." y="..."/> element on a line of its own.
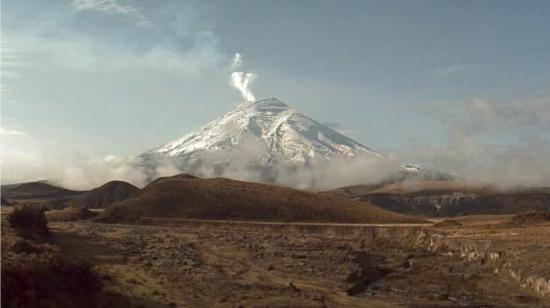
<point x="24" y="246"/>
<point x="30" y="221"/>
<point x="56" y="285"/>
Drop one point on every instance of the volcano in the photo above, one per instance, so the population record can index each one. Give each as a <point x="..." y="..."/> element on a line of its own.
<point x="262" y="137"/>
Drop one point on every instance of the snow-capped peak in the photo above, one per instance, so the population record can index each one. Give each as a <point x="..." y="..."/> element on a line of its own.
<point x="281" y="133"/>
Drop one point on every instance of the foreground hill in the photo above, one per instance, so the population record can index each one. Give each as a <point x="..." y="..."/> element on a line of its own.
<point x="221" y="198"/>
<point x="39" y="193"/>
<point x="105" y="195"/>
<point x="449" y="198"/>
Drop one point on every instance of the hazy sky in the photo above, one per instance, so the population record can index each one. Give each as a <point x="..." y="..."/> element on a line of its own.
<point x="439" y="82"/>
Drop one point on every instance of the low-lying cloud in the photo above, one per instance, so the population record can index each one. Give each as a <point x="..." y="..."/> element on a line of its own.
<point x="492" y="143"/>
<point x="76" y="170"/>
<point x="252" y="160"/>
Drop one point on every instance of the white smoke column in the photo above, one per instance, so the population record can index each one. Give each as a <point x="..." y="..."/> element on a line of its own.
<point x="242" y="81"/>
<point x="237" y="61"/>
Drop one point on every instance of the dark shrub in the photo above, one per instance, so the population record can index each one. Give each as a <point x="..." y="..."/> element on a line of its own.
<point x="5" y="202"/>
<point x="56" y="285"/>
<point x="24" y="246"/>
<point x="529" y="218"/>
<point x="30" y="221"/>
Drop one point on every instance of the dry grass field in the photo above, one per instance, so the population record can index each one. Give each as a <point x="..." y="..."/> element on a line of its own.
<point x="188" y="242"/>
<point x="217" y="264"/>
<point x="220" y="198"/>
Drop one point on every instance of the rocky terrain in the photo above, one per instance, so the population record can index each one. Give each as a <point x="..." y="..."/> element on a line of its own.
<point x="474" y="261"/>
<point x="184" y="241"/>
<point x="216" y="264"/>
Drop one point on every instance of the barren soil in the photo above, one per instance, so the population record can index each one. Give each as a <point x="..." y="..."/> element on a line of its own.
<point x="254" y="265"/>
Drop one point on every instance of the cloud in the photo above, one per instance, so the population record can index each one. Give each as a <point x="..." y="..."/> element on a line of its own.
<point x="203" y="55"/>
<point x="10" y="56"/>
<point x="113" y="7"/>
<point x="237" y="61"/>
<point x="338" y="127"/>
<point x="9" y="63"/>
<point x="30" y="161"/>
<point x="494" y="143"/>
<point x="340" y="172"/>
<point x="10" y="132"/>
<point x="505" y="166"/>
<point x="242" y="81"/>
<point x="166" y="50"/>
<point x="485" y="115"/>
<point x="85" y="55"/>
<point x="23" y="162"/>
<point x="248" y="161"/>
<point x="451" y="70"/>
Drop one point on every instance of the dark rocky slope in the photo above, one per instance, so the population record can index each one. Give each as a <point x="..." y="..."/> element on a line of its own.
<point x="105" y="195"/>
<point x="39" y="193"/>
<point x="442" y="199"/>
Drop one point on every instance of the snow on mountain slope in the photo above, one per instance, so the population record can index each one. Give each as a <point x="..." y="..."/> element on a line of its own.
<point x="268" y="141"/>
<point x="283" y="134"/>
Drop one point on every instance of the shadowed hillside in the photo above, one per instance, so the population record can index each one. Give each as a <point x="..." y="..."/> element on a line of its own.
<point x="40" y="193"/>
<point x="220" y="198"/>
<point x="449" y="198"/>
<point x="35" y="190"/>
<point x="105" y="195"/>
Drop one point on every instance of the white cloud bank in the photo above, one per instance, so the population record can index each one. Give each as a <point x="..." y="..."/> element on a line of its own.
<point x="69" y="169"/>
<point x="10" y="132"/>
<point x="521" y="162"/>
<point x="502" y="144"/>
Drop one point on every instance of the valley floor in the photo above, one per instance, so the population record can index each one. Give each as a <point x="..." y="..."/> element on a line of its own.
<point x="208" y="264"/>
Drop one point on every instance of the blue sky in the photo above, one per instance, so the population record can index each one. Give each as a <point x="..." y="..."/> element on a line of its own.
<point x="117" y="77"/>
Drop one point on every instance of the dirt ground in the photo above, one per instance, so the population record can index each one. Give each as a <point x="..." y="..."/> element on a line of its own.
<point x="222" y="265"/>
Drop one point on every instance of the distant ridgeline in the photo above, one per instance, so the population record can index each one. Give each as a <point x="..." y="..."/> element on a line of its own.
<point x="447" y="198"/>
